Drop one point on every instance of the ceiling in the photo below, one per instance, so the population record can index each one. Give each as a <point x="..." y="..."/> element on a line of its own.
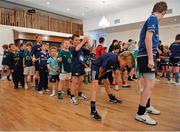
<point x="165" y="23"/>
<point x="83" y="9"/>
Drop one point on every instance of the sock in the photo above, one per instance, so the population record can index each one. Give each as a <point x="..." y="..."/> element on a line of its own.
<point x="168" y="75"/>
<point x="123" y="82"/>
<point x="176" y="75"/>
<point x="148" y="103"/>
<point x="79" y="93"/>
<point x="59" y="91"/>
<point x="111" y="97"/>
<point x="141" y="110"/>
<point x="93" y="106"/>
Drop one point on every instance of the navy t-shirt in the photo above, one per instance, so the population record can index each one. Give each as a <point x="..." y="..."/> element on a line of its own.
<point x="77" y="59"/>
<point x="5" y="58"/>
<point x="151" y="25"/>
<point x="107" y="61"/>
<point x="42" y="57"/>
<point x="35" y="50"/>
<point x="175" y="50"/>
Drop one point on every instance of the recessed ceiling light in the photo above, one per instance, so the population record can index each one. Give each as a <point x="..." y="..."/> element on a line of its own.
<point x="48" y="3"/>
<point x="68" y="9"/>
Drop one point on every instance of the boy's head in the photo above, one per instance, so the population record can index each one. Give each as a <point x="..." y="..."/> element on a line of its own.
<point x="5" y="46"/>
<point x="44" y="46"/>
<point x="166" y="48"/>
<point x="66" y="44"/>
<point x="126" y="59"/>
<point x="114" y="42"/>
<point x="12" y="47"/>
<point x="29" y="45"/>
<point x="39" y="39"/>
<point x="177" y="38"/>
<point x="53" y="51"/>
<point x="160" y="9"/>
<point x="76" y="40"/>
<point x="116" y="48"/>
<point x="101" y="40"/>
<point x="22" y="46"/>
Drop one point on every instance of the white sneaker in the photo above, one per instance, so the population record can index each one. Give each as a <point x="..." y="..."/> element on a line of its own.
<point x="40" y="92"/>
<point x="145" y="119"/>
<point x="152" y="110"/>
<point x="171" y="82"/>
<point x="47" y="90"/>
<point x="177" y="84"/>
<point x="26" y="86"/>
<point x="116" y="87"/>
<point x="3" y="78"/>
<point x="53" y="93"/>
<point x="73" y="101"/>
<point x="82" y="97"/>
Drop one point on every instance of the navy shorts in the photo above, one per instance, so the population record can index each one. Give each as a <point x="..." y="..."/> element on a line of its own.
<point x="174" y="61"/>
<point x="54" y="78"/>
<point x="78" y="72"/>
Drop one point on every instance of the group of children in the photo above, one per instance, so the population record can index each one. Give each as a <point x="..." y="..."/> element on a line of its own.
<point x="78" y="62"/>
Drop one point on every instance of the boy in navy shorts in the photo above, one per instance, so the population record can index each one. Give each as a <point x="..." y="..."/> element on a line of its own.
<point x="149" y="40"/>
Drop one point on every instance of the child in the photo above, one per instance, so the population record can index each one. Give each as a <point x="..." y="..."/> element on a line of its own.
<point x="15" y="66"/>
<point x="53" y="69"/>
<point x="78" y="68"/>
<point x="29" y="69"/>
<point x="174" y="60"/>
<point x="42" y="58"/>
<point x="64" y="58"/>
<point x="164" y="60"/>
<point x="100" y="49"/>
<point x="101" y="69"/>
<point x="149" y="40"/>
<point x="5" y="62"/>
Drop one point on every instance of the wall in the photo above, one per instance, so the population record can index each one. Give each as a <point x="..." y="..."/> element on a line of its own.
<point x="167" y="34"/>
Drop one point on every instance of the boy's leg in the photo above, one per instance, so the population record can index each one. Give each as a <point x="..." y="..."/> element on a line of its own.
<point x="73" y="89"/>
<point x="14" y="77"/>
<point x="176" y="75"/>
<point x="80" y="86"/>
<point x="40" y="85"/>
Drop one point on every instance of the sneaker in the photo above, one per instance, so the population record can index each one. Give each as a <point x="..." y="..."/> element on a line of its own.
<point x="171" y="82"/>
<point x="177" y="84"/>
<point x="26" y="86"/>
<point x="135" y="78"/>
<point x="145" y="119"/>
<point x="96" y="116"/>
<point x="47" y="90"/>
<point x="60" y="95"/>
<point x="126" y="86"/>
<point x="53" y="94"/>
<point x="69" y="92"/>
<point x="114" y="100"/>
<point x="3" y="78"/>
<point x="82" y="97"/>
<point x="73" y="101"/>
<point x="8" y="78"/>
<point x="152" y="110"/>
<point x="130" y="79"/>
<point x="40" y="92"/>
<point x="116" y="87"/>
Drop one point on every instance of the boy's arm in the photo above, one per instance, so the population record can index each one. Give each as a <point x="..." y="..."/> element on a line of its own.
<point x="78" y="47"/>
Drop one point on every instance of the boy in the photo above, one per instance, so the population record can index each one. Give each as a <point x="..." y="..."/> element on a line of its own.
<point x="29" y="69"/>
<point x="5" y="62"/>
<point x="149" y="39"/>
<point x="53" y="69"/>
<point x="100" y="48"/>
<point x="102" y="68"/>
<point x="78" y="68"/>
<point x="15" y="66"/>
<point x="42" y="67"/>
<point x="174" y="60"/>
<point x="64" y="58"/>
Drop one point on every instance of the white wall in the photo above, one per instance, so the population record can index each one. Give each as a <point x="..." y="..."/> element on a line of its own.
<point x="133" y="15"/>
<point x="167" y="34"/>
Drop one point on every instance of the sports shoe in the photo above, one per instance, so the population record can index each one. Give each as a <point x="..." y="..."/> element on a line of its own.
<point x="82" y="97"/>
<point x="126" y="86"/>
<point x="3" y="78"/>
<point x="96" y="116"/>
<point x="114" y="100"/>
<point x="60" y="95"/>
<point x="152" y="110"/>
<point x="116" y="87"/>
<point x="69" y="92"/>
<point x="171" y="82"/>
<point x="177" y="84"/>
<point x="130" y="79"/>
<point x="73" y="101"/>
<point x="145" y="119"/>
<point x="47" y="90"/>
<point x="40" y="92"/>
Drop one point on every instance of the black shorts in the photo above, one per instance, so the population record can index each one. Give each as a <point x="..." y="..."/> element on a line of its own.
<point x="78" y="72"/>
<point x="174" y="61"/>
<point x="95" y="75"/>
<point x="143" y="65"/>
<point x="54" y="78"/>
<point x="36" y="66"/>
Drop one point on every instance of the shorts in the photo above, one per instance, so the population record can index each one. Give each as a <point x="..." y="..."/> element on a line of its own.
<point x="53" y="78"/>
<point x="143" y="65"/>
<point x="79" y="72"/>
<point x="174" y="61"/>
<point x="149" y="76"/>
<point x="29" y="70"/>
<point x="95" y="75"/>
<point x="164" y="63"/>
<point x="65" y="76"/>
<point x="36" y="66"/>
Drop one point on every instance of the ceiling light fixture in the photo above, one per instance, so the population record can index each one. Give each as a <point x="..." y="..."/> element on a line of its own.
<point x="47" y="3"/>
<point x="68" y="9"/>
<point x="104" y="23"/>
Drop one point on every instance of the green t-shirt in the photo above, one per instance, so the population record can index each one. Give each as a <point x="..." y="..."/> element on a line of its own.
<point x="28" y="60"/>
<point x="65" y="65"/>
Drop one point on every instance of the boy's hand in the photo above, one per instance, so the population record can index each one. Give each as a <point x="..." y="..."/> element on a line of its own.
<point x="12" y="71"/>
<point x="59" y="59"/>
<point x="85" y="40"/>
<point x="150" y="63"/>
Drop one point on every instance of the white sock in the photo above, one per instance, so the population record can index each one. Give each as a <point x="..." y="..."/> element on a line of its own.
<point x="53" y="93"/>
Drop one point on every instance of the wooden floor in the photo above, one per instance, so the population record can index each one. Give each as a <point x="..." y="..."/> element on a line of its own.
<point x="26" y="110"/>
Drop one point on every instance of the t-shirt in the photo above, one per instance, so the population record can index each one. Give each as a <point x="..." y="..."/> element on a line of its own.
<point x="175" y="50"/>
<point x="13" y="59"/>
<point x="5" y="58"/>
<point x="42" y="57"/>
<point x="35" y="50"/>
<point x="107" y="61"/>
<point x="151" y="25"/>
<point x="28" y="60"/>
<point x="54" y="65"/>
<point x="99" y="50"/>
<point x="65" y="65"/>
<point x="78" y="62"/>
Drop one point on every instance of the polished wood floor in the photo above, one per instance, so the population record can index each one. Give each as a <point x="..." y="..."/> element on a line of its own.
<point x="26" y="110"/>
